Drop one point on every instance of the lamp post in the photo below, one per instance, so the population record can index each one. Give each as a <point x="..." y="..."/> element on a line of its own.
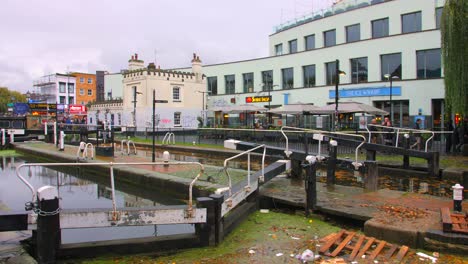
<point x="135" y="92"/>
<point x="390" y="78"/>
<point x="338" y="73"/>
<point x="203" y="107"/>
<point x="153" y="156"/>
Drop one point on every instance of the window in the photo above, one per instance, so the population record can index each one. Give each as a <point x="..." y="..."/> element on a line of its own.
<point x="176" y="118"/>
<point x="81" y="91"/>
<point x="230" y="83"/>
<point x="293" y="46"/>
<point x="329" y="38"/>
<point x="309" y="75"/>
<point x="428" y="63"/>
<point x="62" y="87"/>
<point x="212" y="83"/>
<point x="248" y="82"/>
<point x="71" y="87"/>
<point x="353" y="33"/>
<point x="438" y="16"/>
<point x="359" y="70"/>
<point x="309" y="42"/>
<point x="330" y="74"/>
<point x="267" y="80"/>
<point x="81" y="80"/>
<point x="380" y="28"/>
<point x="90" y="80"/>
<point x="71" y="100"/>
<point x="288" y="78"/>
<point x="279" y="49"/>
<point x="390" y="64"/>
<point x="176" y="94"/>
<point x="411" y="22"/>
<point x="90" y="92"/>
<point x="62" y="100"/>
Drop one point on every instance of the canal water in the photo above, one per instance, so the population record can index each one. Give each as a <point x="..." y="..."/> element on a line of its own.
<point x="78" y="193"/>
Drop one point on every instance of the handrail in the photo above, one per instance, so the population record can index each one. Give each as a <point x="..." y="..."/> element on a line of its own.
<point x="398" y="129"/>
<point x="248" y="169"/>
<point x="112" y="164"/>
<point x="355" y="163"/>
<point x="167" y="137"/>
<point x="128" y="142"/>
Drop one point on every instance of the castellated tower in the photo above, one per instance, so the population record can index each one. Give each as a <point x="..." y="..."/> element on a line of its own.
<point x="134" y="63"/>
<point x="197" y="67"/>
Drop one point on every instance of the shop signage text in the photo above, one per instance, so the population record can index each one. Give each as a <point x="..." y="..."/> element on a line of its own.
<point x="258" y="99"/>
<point x="365" y="92"/>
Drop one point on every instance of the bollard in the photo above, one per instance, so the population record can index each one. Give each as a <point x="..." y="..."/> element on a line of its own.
<point x="3" y="137"/>
<point x="457" y="197"/>
<point x="371" y="181"/>
<point x="62" y="139"/>
<point x="331" y="166"/>
<point x="311" y="184"/>
<point x="166" y="156"/>
<point x="55" y="133"/>
<point x="219" y="228"/>
<point x="48" y="225"/>
<point x="12" y="137"/>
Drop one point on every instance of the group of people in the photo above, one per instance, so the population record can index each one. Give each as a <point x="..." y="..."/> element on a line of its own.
<point x="454" y="140"/>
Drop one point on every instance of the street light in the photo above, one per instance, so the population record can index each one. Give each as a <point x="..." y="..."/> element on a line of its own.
<point x="135" y="92"/>
<point x="203" y="106"/>
<point x="269" y="99"/>
<point x="338" y="73"/>
<point x="390" y="78"/>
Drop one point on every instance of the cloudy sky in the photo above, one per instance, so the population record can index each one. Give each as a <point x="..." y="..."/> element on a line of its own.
<point x="41" y="37"/>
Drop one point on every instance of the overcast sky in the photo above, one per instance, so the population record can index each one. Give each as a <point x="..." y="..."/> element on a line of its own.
<point x="41" y="37"/>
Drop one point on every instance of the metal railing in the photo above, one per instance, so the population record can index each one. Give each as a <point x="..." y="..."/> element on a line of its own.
<point x="167" y="138"/>
<point x="248" y="165"/>
<point x="111" y="168"/>
<point x="129" y="143"/>
<point x="404" y="130"/>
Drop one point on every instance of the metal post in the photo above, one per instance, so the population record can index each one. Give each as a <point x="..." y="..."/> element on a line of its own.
<point x="3" y="137"/>
<point x="331" y="166"/>
<point x="337" y="80"/>
<point x="153" y="156"/>
<point x="391" y="103"/>
<point x="311" y="187"/>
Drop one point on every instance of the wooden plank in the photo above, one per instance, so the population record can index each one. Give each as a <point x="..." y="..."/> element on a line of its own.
<point x="401" y="254"/>
<point x="377" y="250"/>
<point x="356" y="248"/>
<point x="446" y="219"/>
<point x="343" y="244"/>
<point x="390" y="252"/>
<point x="366" y="247"/>
<point x="331" y="241"/>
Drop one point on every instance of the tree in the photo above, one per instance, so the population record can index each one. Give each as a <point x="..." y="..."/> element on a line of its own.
<point x="454" y="32"/>
<point x="7" y="96"/>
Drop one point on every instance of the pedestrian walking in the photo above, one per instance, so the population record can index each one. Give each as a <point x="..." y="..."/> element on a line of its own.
<point x="418" y="135"/>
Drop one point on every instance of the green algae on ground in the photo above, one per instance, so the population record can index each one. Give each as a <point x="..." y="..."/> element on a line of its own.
<point x="265" y="233"/>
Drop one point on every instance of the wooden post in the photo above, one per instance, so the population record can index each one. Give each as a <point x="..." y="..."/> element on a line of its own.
<point x="406" y="143"/>
<point x="311" y="187"/>
<point x="218" y="202"/>
<point x="296" y="169"/>
<point x="331" y="166"/>
<point x="371" y="154"/>
<point x="433" y="164"/>
<point x="48" y="225"/>
<point x="371" y="181"/>
<point x="206" y="232"/>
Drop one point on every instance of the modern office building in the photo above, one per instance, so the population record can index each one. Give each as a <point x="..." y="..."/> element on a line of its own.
<point x="381" y="46"/>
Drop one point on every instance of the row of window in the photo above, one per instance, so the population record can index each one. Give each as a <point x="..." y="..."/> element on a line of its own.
<point x="380" y="28"/>
<point x="428" y="64"/>
<point x="62" y="87"/>
<point x="90" y="91"/>
<point x="82" y="80"/>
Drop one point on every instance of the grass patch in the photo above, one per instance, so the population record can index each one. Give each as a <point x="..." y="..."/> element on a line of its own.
<point x="9" y="152"/>
<point x="186" y="144"/>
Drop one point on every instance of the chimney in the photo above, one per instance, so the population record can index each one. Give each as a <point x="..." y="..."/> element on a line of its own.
<point x="197" y="67"/>
<point x="136" y="56"/>
<point x="135" y="64"/>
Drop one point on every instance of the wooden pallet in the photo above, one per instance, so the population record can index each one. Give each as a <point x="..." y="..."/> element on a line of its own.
<point x="456" y="223"/>
<point x="360" y="245"/>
